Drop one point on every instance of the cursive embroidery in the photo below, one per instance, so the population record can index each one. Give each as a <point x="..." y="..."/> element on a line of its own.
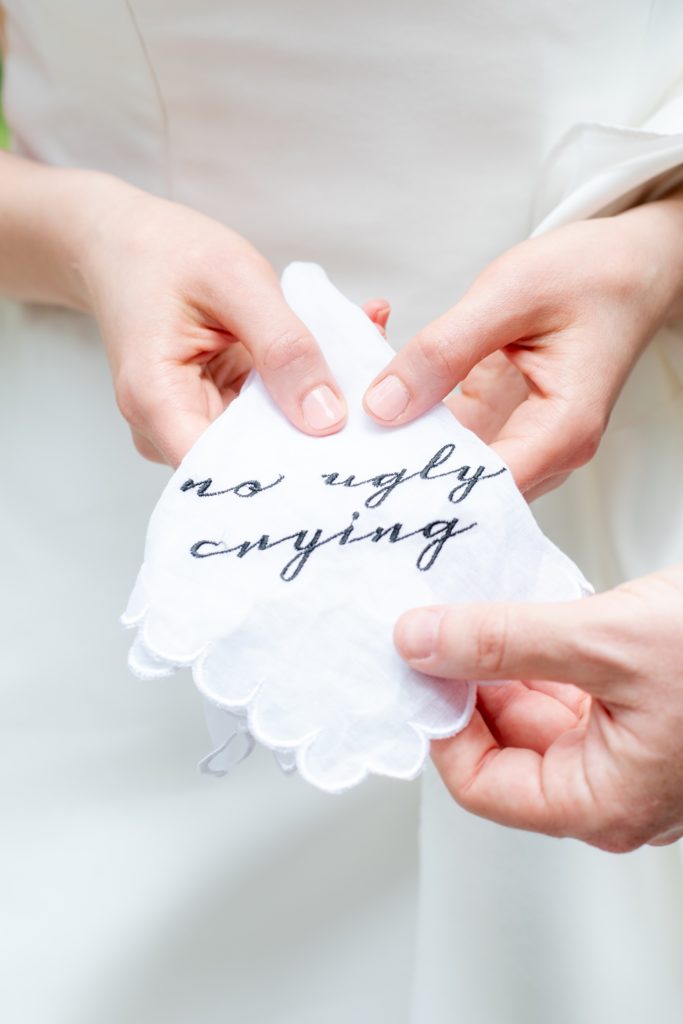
<point x="247" y="489"/>
<point x="386" y="483"/>
<point x="306" y="541"/>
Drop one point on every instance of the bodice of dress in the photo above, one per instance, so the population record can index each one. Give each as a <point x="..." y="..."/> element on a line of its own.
<point x="400" y="145"/>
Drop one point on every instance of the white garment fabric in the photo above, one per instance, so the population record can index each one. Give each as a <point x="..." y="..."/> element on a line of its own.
<point x="258" y="582"/>
<point x="402" y="146"/>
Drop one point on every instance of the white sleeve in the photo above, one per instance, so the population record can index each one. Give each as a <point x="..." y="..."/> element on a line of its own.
<point x="603" y="169"/>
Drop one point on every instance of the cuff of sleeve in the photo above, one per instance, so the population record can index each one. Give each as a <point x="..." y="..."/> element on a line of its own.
<point x="600" y="169"/>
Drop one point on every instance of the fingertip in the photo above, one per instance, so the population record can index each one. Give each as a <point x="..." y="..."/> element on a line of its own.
<point x="387" y="400"/>
<point x="416" y="633"/>
<point x="378" y="310"/>
<point x="383" y="317"/>
<point x="323" y="411"/>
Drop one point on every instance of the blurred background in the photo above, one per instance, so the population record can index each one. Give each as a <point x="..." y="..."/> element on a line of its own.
<point x="4" y="134"/>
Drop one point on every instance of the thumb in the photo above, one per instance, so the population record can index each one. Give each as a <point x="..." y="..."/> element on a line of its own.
<point x="565" y="642"/>
<point x="288" y="359"/>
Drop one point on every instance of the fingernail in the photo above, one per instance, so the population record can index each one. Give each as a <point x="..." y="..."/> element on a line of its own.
<point x="321" y="408"/>
<point x="388" y="399"/>
<point x="416" y="633"/>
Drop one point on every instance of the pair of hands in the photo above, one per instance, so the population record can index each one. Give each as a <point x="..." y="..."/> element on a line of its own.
<point x="541" y="344"/>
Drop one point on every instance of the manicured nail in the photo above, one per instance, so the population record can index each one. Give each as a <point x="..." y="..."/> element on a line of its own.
<point x="321" y="408"/>
<point x="388" y="399"/>
<point x="416" y="633"/>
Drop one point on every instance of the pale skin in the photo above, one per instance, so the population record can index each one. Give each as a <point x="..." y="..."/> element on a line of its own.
<point x="185" y="305"/>
<point x="587" y="741"/>
<point x="542" y="343"/>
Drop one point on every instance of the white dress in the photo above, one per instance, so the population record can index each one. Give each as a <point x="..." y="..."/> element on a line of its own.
<point x="402" y="146"/>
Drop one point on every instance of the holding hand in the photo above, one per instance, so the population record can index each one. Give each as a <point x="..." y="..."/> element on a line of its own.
<point x="544" y="339"/>
<point x="588" y="739"/>
<point x="186" y="307"/>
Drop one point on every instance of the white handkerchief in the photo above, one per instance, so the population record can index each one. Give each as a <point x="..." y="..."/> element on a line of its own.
<point x="276" y="565"/>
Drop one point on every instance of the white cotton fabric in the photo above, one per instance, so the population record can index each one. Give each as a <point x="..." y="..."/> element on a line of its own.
<point x="403" y="147"/>
<point x="294" y="640"/>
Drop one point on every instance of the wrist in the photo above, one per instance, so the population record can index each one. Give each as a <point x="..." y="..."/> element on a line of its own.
<point x="49" y="219"/>
<point x="654" y="233"/>
<point x="92" y="202"/>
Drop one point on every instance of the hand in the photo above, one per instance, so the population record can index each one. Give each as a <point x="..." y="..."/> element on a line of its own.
<point x="544" y="339"/>
<point x="186" y="307"/>
<point x="597" y="751"/>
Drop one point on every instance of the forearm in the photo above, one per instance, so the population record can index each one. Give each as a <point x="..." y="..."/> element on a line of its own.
<point x="48" y="221"/>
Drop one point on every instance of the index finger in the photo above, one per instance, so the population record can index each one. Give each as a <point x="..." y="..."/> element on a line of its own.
<point x="437" y="358"/>
<point x="509" y="785"/>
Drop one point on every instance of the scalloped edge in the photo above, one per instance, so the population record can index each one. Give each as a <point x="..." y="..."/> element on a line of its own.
<point x="290" y="757"/>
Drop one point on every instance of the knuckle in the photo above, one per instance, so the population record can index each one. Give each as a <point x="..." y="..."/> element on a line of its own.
<point x="127" y="398"/>
<point x="286" y="349"/>
<point x="438" y="351"/>
<point x="583" y="439"/>
<point x="140" y="390"/>
<point x="491" y="640"/>
<point x="252" y="264"/>
<point x="620" y="840"/>
<point x="614" y="657"/>
<point x="145" y="448"/>
<point x="589" y="440"/>
<point x="624" y="824"/>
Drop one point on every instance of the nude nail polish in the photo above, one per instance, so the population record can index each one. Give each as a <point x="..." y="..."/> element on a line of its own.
<point x="417" y="633"/>
<point x="321" y="408"/>
<point x="388" y="399"/>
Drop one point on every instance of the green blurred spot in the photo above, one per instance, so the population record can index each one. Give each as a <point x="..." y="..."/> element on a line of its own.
<point x="4" y="130"/>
